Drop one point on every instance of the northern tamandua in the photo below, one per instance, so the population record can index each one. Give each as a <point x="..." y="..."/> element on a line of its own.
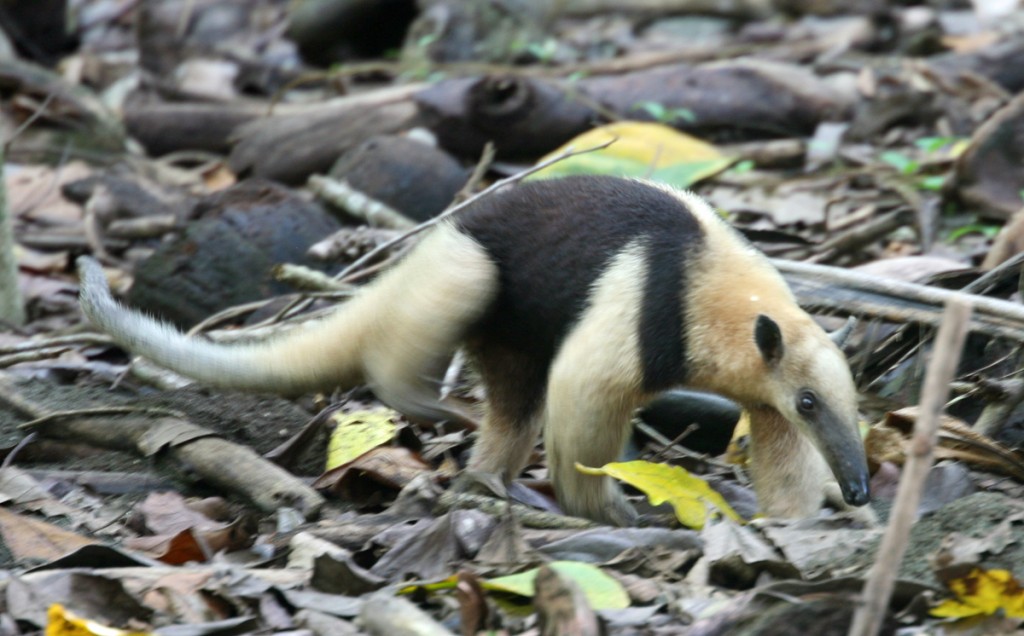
<point x="578" y="300"/>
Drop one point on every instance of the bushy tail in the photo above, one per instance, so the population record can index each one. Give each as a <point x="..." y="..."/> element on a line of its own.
<point x="389" y="335"/>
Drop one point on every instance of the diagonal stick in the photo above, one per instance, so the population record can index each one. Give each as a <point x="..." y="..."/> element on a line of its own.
<point x="867" y="619"/>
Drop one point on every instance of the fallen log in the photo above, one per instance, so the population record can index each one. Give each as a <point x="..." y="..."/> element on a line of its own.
<point x="163" y="127"/>
<point x="291" y="146"/>
<point x="235" y="468"/>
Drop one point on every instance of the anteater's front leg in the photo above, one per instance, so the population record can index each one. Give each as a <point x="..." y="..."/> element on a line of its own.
<point x="789" y="473"/>
<point x="594" y="387"/>
<point x="587" y="421"/>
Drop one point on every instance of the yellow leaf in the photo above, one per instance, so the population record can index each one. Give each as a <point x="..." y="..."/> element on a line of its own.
<point x="357" y="433"/>
<point x="601" y="590"/>
<point x="737" y="453"/>
<point x="61" y="622"/>
<point x="983" y="592"/>
<point x="639" y="149"/>
<point x="689" y="495"/>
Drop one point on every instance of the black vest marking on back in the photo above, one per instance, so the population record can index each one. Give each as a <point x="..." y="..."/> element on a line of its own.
<point x="662" y="336"/>
<point x="552" y="240"/>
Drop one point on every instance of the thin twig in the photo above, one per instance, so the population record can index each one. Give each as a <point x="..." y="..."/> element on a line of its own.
<point x="689" y="430"/>
<point x="649" y="431"/>
<point x="11" y="395"/>
<point x="36" y="114"/>
<point x="25" y="441"/>
<point x="35" y="355"/>
<point x="372" y="269"/>
<point x="229" y="314"/>
<point x="529" y="517"/>
<point x="94" y="339"/>
<point x="348" y="272"/>
<point x="880" y="580"/>
<point x="455" y="209"/>
<point x="477" y="176"/>
<point x="992" y="277"/>
<point x="152" y="411"/>
<point x="827" y="288"/>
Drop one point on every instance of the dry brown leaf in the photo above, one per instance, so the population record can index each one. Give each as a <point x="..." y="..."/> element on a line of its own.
<point x="178" y="593"/>
<point x="473" y="608"/>
<point x="183" y="533"/>
<point x="957" y="441"/>
<point x="30" y="539"/>
<point x="178" y="549"/>
<point x="561" y="606"/>
<point x="33" y="192"/>
<point x="393" y="467"/>
<point x="883" y="444"/>
<point x="970" y="42"/>
<point x="219" y="177"/>
<point x="42" y="262"/>
<point x="170" y="513"/>
<point x="193" y="545"/>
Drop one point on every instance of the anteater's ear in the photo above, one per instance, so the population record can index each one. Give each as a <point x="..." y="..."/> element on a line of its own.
<point x="768" y="337"/>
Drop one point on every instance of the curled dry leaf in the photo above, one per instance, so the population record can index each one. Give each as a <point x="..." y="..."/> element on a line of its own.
<point x="359" y="480"/>
<point x="957" y="441"/>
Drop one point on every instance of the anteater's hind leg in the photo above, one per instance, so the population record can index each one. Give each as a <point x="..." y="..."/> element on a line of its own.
<point x="515" y="391"/>
<point x="418" y="316"/>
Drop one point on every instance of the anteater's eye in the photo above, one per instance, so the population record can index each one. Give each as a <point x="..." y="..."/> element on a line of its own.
<point x="807" y="402"/>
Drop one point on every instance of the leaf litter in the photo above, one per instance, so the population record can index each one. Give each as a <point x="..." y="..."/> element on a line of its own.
<point x="113" y="520"/>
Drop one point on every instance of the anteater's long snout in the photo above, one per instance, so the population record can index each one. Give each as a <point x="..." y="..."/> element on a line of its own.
<point x="843" y="449"/>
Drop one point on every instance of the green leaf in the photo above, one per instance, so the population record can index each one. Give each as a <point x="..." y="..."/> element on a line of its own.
<point x="601" y="590"/>
<point x="426" y="40"/>
<point x="932" y="184"/>
<point x="685" y="114"/>
<point x="986" y="230"/>
<point x="662" y="114"/>
<point x="744" y="166"/>
<point x="900" y="161"/>
<point x="934" y="144"/>
<point x="656" y="110"/>
<point x="690" y="495"/>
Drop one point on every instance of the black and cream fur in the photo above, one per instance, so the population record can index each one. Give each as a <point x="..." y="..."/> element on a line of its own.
<point x="578" y="300"/>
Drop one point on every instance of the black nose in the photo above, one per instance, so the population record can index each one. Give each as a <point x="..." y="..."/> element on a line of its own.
<point x="856" y="492"/>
